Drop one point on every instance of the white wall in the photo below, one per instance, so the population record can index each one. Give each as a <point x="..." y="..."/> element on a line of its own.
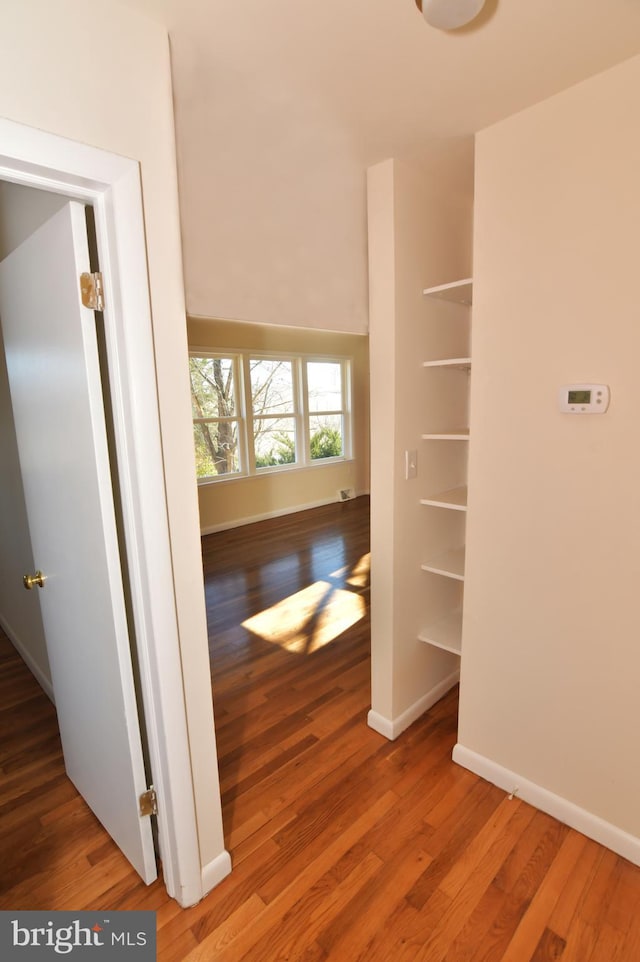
<point x="551" y="657"/>
<point x="22" y="210"/>
<point x="272" y="188"/>
<point x="20" y="614"/>
<point x="419" y="235"/>
<point x="101" y="76"/>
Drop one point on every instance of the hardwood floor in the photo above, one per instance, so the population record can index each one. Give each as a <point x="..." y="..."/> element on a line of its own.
<point x="345" y="846"/>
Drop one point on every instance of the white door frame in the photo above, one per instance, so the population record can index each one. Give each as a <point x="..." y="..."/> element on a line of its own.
<point x="111" y="184"/>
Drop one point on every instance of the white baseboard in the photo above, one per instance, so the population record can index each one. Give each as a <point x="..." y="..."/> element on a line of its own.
<point x="619" y="841"/>
<point x="215" y="871"/>
<point x="380" y="724"/>
<point x="279" y="513"/>
<point x="28" y="659"/>
<point x="392" y="727"/>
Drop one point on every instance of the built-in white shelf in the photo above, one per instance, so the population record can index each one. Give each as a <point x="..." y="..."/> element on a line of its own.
<point x="458" y="291"/>
<point x="450" y="564"/>
<point x="445" y="633"/>
<point x="462" y="363"/>
<point x="457" y="434"/>
<point x="449" y="399"/>
<point x="454" y="498"/>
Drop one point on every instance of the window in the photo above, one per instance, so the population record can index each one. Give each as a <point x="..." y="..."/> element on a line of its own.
<point x="216" y="415"/>
<point x="273" y="410"/>
<point x="326" y="414"/>
<point x="254" y="414"/>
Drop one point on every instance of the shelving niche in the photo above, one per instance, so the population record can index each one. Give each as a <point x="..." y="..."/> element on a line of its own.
<point x="446" y="437"/>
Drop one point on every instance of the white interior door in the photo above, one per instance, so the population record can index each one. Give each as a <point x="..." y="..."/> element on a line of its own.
<point x="54" y="378"/>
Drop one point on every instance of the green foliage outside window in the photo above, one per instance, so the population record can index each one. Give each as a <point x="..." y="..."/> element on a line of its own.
<point x="282" y="452"/>
<point x="326" y="443"/>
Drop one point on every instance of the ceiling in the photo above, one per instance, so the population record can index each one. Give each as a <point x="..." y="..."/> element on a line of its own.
<point x="375" y="69"/>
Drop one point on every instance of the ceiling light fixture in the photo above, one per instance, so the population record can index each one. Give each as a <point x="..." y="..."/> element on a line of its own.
<point x="449" y="14"/>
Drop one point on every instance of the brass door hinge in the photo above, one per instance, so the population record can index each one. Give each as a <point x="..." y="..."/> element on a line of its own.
<point x="149" y="802"/>
<point x="92" y="291"/>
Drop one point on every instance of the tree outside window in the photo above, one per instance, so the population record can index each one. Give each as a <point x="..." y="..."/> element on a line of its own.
<point x="215" y="422"/>
<point x="274" y="412"/>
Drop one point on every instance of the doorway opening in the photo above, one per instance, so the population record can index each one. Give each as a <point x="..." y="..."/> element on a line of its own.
<point x="289" y="636"/>
<point x="285" y="566"/>
<point x="65" y="473"/>
<point x="112" y="185"/>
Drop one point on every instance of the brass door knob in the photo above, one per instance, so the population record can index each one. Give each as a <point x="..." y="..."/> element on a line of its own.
<point x="30" y="581"/>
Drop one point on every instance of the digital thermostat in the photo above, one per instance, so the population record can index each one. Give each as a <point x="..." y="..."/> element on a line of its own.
<point x="584" y="398"/>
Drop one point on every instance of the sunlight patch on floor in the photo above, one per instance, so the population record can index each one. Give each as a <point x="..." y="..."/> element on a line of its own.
<point x="358" y="573"/>
<point x="309" y="619"/>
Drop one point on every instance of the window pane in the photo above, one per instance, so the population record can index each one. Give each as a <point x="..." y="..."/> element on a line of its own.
<point x="213" y="392"/>
<point x="271" y="387"/>
<point x="216" y="448"/>
<point x="324" y="384"/>
<point x="325" y="436"/>
<point x="274" y="442"/>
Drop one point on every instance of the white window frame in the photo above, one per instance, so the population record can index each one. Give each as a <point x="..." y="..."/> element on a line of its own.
<point x="249" y="356"/>
<point x="240" y="417"/>
<point x="344" y="412"/>
<point x="301" y="413"/>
